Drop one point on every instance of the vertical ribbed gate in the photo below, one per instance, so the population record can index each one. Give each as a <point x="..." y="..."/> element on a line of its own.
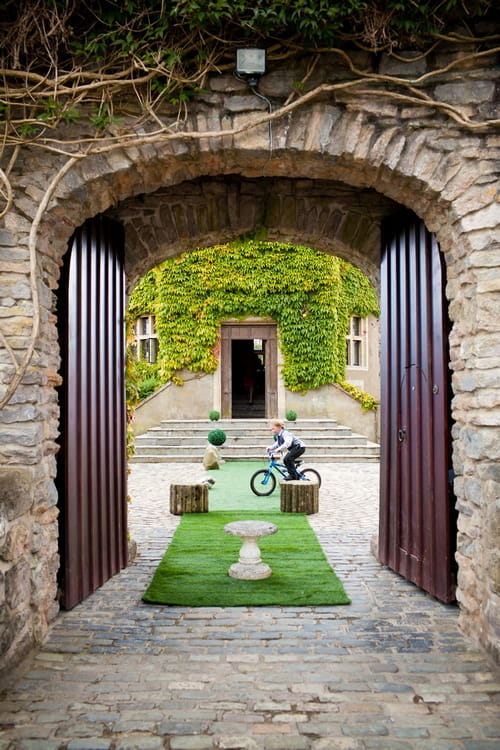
<point x="92" y="462"/>
<point x="417" y="531"/>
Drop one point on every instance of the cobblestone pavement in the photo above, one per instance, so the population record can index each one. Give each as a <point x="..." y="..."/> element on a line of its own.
<point x="390" y="671"/>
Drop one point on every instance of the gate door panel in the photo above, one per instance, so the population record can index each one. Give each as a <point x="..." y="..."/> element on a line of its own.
<point x="92" y="460"/>
<point x="416" y="534"/>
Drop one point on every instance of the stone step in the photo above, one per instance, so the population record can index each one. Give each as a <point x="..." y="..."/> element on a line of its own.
<point x="235" y="432"/>
<point x="246" y="427"/>
<point x="186" y="441"/>
<point x="311" y="441"/>
<point x="229" y="451"/>
<point x="348" y="458"/>
<point x="246" y="423"/>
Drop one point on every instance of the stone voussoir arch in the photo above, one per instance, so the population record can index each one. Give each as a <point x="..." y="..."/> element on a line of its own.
<point x="451" y="190"/>
<point x="405" y="165"/>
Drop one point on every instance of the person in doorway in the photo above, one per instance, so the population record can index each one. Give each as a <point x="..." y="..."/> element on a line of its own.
<point x="286" y="441"/>
<point x="249" y="371"/>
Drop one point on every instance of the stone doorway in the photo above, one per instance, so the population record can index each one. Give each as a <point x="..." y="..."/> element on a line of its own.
<point x="249" y="374"/>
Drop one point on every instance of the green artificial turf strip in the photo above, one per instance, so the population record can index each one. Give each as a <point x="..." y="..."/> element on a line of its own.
<point x="232" y="488"/>
<point x="194" y="569"/>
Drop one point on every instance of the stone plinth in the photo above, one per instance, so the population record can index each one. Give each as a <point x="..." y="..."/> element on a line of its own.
<point x="250" y="566"/>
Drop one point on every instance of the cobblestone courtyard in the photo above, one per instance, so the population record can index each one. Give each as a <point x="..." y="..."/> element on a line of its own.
<point x="390" y="671"/>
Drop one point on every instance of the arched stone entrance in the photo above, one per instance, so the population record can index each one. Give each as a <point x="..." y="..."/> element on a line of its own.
<point x="333" y="175"/>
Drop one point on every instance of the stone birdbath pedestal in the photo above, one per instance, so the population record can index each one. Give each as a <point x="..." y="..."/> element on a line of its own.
<point x="250" y="566"/>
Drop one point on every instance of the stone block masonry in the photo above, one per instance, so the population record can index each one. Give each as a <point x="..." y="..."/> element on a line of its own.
<point x="326" y="174"/>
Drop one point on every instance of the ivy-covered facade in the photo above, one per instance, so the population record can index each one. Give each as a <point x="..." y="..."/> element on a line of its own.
<point x="309" y="295"/>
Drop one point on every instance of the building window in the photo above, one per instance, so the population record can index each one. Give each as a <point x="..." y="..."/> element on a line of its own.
<point x="356" y="341"/>
<point x="146" y="339"/>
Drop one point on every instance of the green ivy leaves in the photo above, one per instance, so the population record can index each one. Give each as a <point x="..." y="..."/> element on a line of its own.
<point x="309" y="294"/>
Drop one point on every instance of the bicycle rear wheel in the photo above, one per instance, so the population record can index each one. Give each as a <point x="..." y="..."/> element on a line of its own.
<point x="262" y="482"/>
<point x="312" y="475"/>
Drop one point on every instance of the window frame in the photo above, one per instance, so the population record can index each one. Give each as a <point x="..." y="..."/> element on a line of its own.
<point x="146" y="339"/>
<point x="357" y="343"/>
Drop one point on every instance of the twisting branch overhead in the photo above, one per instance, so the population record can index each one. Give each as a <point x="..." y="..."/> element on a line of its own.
<point x="63" y="61"/>
<point x="123" y="71"/>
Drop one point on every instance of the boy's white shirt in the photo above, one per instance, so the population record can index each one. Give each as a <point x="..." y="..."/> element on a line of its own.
<point x="287" y="441"/>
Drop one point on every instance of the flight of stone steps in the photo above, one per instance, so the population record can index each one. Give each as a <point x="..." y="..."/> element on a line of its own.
<point x="247" y="439"/>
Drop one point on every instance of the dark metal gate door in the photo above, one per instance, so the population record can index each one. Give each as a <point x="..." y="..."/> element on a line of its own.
<point x="92" y="461"/>
<point x="416" y="535"/>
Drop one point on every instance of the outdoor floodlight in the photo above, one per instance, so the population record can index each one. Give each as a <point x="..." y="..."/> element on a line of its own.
<point x="251" y="64"/>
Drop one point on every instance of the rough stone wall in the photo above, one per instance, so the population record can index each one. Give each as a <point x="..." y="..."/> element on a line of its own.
<point x="321" y="213"/>
<point x="392" y="149"/>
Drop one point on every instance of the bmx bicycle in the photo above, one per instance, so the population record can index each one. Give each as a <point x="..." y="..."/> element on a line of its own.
<point x="263" y="482"/>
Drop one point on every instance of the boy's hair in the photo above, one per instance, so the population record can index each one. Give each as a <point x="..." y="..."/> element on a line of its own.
<point x="277" y="422"/>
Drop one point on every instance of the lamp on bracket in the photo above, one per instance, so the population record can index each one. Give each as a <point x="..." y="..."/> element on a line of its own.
<point x="250" y="64"/>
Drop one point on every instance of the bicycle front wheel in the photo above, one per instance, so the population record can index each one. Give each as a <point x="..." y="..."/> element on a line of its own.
<point x="312" y="476"/>
<point x="262" y="482"/>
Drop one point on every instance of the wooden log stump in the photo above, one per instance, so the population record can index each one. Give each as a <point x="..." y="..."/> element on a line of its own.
<point x="299" y="497"/>
<point x="188" y="498"/>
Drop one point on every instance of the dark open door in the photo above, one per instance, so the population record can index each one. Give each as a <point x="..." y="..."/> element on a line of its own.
<point x="267" y="380"/>
<point x="248" y="366"/>
<point x="92" y="459"/>
<point x="417" y="529"/>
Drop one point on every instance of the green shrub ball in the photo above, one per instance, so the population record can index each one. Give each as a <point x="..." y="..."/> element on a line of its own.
<point x="216" y="437"/>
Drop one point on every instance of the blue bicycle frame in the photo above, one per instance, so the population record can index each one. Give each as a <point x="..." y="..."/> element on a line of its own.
<point x="263" y="481"/>
<point x="281" y="469"/>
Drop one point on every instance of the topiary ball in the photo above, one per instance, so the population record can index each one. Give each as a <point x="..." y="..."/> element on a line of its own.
<point x="214" y="415"/>
<point x="291" y="415"/>
<point x="216" y="437"/>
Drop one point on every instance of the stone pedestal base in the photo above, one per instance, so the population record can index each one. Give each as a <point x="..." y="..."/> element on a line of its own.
<point x="250" y="566"/>
<point x="255" y="572"/>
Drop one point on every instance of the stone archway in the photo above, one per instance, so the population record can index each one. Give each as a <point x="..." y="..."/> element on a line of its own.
<point x="359" y="164"/>
<point x="198" y="213"/>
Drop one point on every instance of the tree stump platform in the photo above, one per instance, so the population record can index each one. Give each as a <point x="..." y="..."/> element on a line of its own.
<point x="188" y="498"/>
<point x="298" y="496"/>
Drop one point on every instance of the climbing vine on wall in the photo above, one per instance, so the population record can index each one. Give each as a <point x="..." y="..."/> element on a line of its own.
<point x="89" y="78"/>
<point x="309" y="294"/>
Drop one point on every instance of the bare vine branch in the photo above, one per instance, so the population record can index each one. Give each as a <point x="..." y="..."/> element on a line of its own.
<point x="6" y="193"/>
<point x="150" y="86"/>
<point x="28" y="354"/>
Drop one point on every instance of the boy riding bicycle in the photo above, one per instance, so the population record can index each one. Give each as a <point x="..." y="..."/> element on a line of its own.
<point x="286" y="441"/>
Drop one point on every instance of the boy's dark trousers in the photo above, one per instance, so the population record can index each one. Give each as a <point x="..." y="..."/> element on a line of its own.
<point x="289" y="460"/>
